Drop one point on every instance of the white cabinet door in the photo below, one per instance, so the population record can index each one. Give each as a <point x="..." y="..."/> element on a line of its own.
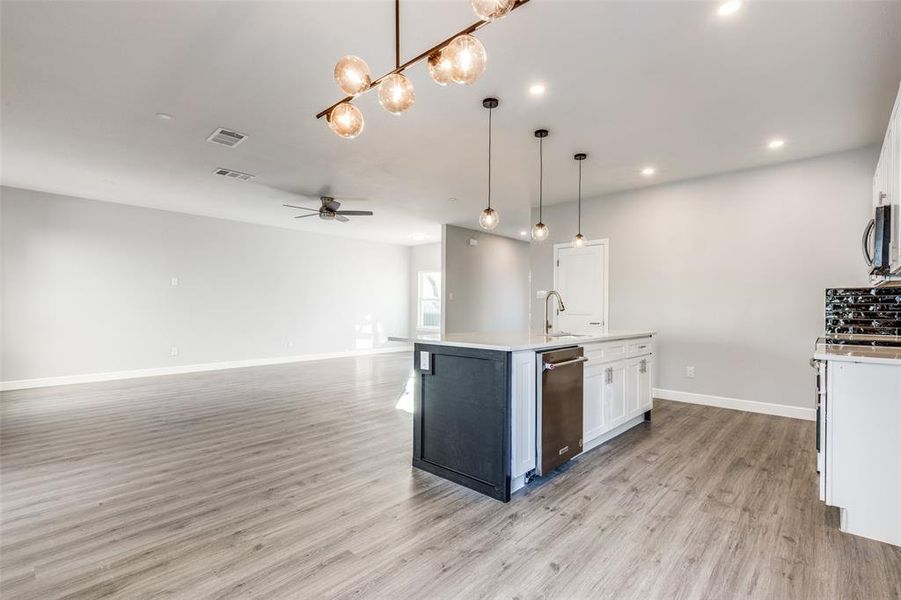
<point x="523" y="384"/>
<point x="638" y="386"/>
<point x="593" y="422"/>
<point x="614" y="394"/>
<point x="895" y="184"/>
<point x="633" y="383"/>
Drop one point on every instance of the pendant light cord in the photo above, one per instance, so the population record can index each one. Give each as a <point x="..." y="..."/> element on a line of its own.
<point x="580" y="197"/>
<point x="490" y="110"/>
<point x="540" y="175"/>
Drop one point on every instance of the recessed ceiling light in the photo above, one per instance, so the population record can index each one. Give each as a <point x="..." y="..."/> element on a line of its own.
<point x="728" y="8"/>
<point x="537" y="89"/>
<point x="417" y="237"/>
<point x="164" y="116"/>
<point x="648" y="171"/>
<point x="775" y="144"/>
<point x="523" y="232"/>
<point x="451" y="199"/>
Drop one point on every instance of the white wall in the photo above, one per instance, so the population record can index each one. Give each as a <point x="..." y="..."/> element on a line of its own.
<point x="87" y="289"/>
<point x="730" y="270"/>
<point x="425" y="257"/>
<point x="486" y="287"/>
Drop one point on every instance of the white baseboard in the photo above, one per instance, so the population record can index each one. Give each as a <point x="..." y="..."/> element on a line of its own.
<point x="767" y="408"/>
<point x="22" y="384"/>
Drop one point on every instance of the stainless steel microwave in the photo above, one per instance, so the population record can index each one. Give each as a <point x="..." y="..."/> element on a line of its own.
<point x="877" y="240"/>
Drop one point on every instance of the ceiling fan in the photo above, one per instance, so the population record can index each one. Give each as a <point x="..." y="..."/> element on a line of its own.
<point x="329" y="211"/>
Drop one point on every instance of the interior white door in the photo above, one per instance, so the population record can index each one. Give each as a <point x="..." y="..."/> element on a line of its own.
<point x="580" y="275"/>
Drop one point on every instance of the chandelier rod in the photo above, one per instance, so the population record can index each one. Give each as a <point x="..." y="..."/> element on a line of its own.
<point x="471" y="29"/>
<point x="396" y="34"/>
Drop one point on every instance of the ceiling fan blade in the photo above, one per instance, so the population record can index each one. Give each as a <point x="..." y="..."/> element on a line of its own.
<point x="305" y="216"/>
<point x="301" y="207"/>
<point x="355" y="213"/>
<point x="341" y="218"/>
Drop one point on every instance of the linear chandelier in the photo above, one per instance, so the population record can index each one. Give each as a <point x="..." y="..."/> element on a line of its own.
<point x="460" y="58"/>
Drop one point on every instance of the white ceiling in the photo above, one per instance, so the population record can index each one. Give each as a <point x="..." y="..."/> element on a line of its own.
<point x="668" y="84"/>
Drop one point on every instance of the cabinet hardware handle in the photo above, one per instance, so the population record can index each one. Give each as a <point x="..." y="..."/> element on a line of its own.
<point x="595" y="322"/>
<point x="609" y="375"/>
<point x="643" y="367"/>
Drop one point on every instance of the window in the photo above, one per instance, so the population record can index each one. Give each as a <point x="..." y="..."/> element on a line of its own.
<point x="429" y="307"/>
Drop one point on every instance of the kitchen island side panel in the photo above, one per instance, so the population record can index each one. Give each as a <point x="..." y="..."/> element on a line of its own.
<point x="462" y="416"/>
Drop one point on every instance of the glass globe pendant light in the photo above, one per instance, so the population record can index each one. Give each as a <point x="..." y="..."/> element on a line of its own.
<point x="539" y="229"/>
<point x="491" y="10"/>
<point x="396" y="93"/>
<point x="440" y="66"/>
<point x="579" y="240"/>
<point x="489" y="217"/>
<point x="352" y="75"/>
<point x="346" y="120"/>
<point x="468" y="59"/>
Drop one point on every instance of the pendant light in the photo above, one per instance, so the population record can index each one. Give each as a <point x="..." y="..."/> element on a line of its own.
<point x="491" y="10"/>
<point x="468" y="59"/>
<point x="346" y="120"/>
<point x="489" y="217"/>
<point x="539" y="229"/>
<point x="460" y="58"/>
<point x="396" y="93"/>
<point x="579" y="240"/>
<point x="352" y="75"/>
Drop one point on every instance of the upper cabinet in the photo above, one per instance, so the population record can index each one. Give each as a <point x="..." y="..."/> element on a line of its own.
<point x="887" y="182"/>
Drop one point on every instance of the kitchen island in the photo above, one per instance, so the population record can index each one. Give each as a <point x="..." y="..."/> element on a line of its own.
<point x="478" y="401"/>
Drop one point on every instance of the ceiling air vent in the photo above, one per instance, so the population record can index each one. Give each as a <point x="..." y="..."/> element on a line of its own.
<point x="226" y="137"/>
<point x="234" y="174"/>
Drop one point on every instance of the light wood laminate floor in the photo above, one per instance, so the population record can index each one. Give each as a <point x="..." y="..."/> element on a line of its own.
<point x="294" y="481"/>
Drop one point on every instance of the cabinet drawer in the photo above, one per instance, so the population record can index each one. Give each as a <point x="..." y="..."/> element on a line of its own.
<point x="640" y="347"/>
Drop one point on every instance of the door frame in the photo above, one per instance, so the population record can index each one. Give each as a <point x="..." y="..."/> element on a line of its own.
<point x="602" y="242"/>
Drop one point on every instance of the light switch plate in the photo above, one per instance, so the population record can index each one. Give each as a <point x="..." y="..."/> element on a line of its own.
<point x="541" y="294"/>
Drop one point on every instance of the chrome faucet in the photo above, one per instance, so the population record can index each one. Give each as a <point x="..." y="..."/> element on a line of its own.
<point x="547" y="299"/>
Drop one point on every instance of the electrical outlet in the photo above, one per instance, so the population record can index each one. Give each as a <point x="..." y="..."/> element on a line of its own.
<point x="690" y="372"/>
<point x="290" y="343"/>
<point x="541" y="294"/>
<point x="450" y="295"/>
<point x="173" y="351"/>
<point x="174" y="281"/>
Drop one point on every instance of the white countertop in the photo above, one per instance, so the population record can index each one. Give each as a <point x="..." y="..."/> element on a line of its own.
<point x="520" y="340"/>
<point x="877" y="354"/>
<point x="856" y="348"/>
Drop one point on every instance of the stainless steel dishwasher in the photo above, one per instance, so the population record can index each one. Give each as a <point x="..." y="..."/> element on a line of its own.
<point x="560" y="410"/>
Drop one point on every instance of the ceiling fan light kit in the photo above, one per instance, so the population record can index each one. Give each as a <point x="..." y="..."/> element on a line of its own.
<point x="460" y="58"/>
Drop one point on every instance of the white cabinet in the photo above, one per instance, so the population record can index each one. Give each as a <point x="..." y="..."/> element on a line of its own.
<point x="614" y="394"/>
<point x="862" y="467"/>
<point x="524" y="412"/>
<point x="638" y="386"/>
<point x="617" y="386"/>
<point x="887" y="181"/>
<point x="593" y="422"/>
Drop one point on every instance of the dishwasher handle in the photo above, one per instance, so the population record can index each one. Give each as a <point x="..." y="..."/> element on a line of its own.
<point x="548" y="366"/>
